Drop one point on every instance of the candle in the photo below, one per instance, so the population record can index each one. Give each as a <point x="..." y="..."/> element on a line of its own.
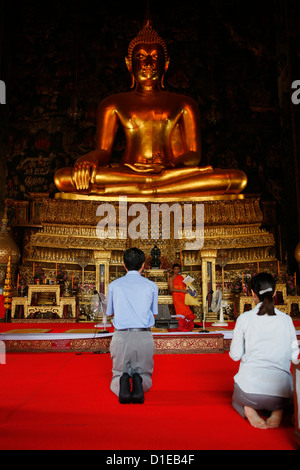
<point x="33" y="269"/>
<point x="72" y="280"/>
<point x="242" y="279"/>
<point x="258" y="266"/>
<point x="223" y="279"/>
<point x="278" y="268"/>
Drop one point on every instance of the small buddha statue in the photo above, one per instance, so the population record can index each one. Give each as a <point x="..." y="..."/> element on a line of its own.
<point x="163" y="139"/>
<point x="155" y="257"/>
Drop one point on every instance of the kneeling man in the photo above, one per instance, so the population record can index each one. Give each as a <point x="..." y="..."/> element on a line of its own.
<point x="133" y="300"/>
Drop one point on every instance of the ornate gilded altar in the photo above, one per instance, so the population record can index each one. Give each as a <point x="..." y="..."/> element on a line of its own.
<point x="285" y="305"/>
<point x="56" y="306"/>
<point x="160" y="278"/>
<point x="68" y="234"/>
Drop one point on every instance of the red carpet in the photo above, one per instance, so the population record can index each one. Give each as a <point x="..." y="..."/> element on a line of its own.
<point x="63" y="401"/>
<point x="52" y="326"/>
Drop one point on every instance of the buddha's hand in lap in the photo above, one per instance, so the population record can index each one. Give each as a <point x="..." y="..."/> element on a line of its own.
<point x="84" y="172"/>
<point x="146" y="168"/>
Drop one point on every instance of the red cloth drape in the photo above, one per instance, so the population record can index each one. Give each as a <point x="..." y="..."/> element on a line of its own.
<point x="2" y="308"/>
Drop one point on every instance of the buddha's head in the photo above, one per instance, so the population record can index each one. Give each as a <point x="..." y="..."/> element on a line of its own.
<point x="147" y="59"/>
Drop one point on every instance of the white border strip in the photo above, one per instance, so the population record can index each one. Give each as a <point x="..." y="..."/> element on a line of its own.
<point x="61" y="336"/>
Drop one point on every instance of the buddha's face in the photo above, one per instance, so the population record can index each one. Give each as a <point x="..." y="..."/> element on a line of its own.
<point x="148" y="64"/>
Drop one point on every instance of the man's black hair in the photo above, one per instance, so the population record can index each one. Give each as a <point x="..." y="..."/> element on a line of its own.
<point x="134" y="259"/>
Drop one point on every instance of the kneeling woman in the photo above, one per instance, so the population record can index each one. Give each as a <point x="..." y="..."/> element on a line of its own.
<point x="265" y="341"/>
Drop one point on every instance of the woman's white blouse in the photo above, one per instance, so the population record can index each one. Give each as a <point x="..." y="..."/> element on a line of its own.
<point x="266" y="346"/>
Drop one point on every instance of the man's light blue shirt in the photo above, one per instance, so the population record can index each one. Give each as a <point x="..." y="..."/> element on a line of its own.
<point x="133" y="300"/>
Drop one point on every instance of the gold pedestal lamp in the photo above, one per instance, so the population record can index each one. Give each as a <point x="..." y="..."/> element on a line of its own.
<point x="7" y="291"/>
<point x="9" y="258"/>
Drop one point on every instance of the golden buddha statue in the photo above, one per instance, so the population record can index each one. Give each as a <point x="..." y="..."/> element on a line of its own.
<point x="163" y="140"/>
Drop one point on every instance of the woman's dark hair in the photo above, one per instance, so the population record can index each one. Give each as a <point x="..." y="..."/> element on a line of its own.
<point x="134" y="259"/>
<point x="263" y="285"/>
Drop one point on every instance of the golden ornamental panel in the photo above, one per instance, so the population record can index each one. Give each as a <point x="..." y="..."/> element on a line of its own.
<point x="28" y="345"/>
<point x="93" y="344"/>
<point x="43" y="289"/>
<point x="224" y="211"/>
<point x="69" y="232"/>
<point x="293" y="299"/>
<point x="40" y="309"/>
<point x="187" y="344"/>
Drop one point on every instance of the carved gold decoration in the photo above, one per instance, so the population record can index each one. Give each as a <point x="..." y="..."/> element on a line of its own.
<point x="81" y="211"/>
<point x="28" y="345"/>
<point x="58" y="308"/>
<point x="21" y="212"/>
<point x="8" y="248"/>
<point x="68" y="301"/>
<point x="44" y="289"/>
<point x="188" y="343"/>
<point x="69" y="226"/>
<point x="195" y="344"/>
<point x="19" y="301"/>
<point x="208" y="256"/>
<point x="288" y="300"/>
<point x="165" y="300"/>
<point x="292" y="299"/>
<point x="245" y="300"/>
<point x="102" y="258"/>
<point x="231" y="224"/>
<point x="7" y="292"/>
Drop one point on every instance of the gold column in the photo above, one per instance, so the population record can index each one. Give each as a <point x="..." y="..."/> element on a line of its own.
<point x="102" y="258"/>
<point x="7" y="292"/>
<point x="208" y="256"/>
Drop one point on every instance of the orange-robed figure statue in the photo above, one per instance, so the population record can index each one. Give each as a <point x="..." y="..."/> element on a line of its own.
<point x="163" y="140"/>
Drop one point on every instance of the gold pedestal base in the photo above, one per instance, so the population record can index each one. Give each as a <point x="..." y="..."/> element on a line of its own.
<point x="232" y="225"/>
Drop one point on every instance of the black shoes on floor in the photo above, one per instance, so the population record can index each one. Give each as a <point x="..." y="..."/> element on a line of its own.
<point x="137" y="393"/>
<point x="125" y="392"/>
